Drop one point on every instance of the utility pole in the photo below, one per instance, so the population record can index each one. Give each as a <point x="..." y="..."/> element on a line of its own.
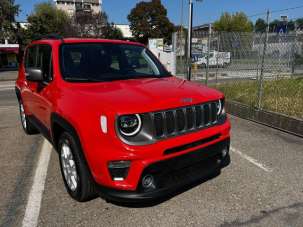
<point x="260" y="92"/>
<point x="181" y="37"/>
<point x="189" y="39"/>
<point x="189" y="36"/>
<point x="208" y="54"/>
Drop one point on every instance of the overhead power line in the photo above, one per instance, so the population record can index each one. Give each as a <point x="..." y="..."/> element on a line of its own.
<point x="282" y="10"/>
<point x="277" y="11"/>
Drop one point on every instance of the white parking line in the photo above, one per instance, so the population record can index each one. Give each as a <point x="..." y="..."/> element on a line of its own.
<point x="7" y="88"/>
<point x="7" y="85"/>
<point x="252" y="160"/>
<point x="7" y="107"/>
<point x="35" y="196"/>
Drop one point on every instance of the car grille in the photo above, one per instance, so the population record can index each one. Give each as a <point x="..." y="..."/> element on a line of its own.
<point x="186" y="119"/>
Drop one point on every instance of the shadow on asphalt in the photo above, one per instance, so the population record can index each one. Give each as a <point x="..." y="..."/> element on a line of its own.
<point x="266" y="213"/>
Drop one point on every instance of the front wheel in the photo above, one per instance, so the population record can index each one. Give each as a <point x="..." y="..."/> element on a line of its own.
<point x="74" y="170"/>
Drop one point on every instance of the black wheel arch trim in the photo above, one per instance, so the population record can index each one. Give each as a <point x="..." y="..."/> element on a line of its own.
<point x="64" y="124"/>
<point x="68" y="127"/>
<point x="18" y="93"/>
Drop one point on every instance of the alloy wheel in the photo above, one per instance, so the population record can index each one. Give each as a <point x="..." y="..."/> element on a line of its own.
<point x="23" y="116"/>
<point x="69" y="167"/>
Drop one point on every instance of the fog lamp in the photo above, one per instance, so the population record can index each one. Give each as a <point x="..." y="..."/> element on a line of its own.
<point x="148" y="182"/>
<point x="118" y="170"/>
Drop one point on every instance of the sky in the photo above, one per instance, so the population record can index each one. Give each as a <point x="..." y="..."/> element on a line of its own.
<point x="204" y="12"/>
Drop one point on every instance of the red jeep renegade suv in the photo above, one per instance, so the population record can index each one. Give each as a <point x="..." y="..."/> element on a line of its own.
<point x="123" y="127"/>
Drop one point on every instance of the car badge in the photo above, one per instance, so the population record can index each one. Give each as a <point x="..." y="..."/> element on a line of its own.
<point x="186" y="100"/>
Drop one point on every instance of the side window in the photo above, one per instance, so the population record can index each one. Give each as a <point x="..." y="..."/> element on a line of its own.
<point x="31" y="56"/>
<point x="44" y="62"/>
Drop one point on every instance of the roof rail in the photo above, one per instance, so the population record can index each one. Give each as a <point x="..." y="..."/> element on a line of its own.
<point x="49" y="36"/>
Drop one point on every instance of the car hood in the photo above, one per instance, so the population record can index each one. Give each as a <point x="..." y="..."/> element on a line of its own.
<point x="145" y="95"/>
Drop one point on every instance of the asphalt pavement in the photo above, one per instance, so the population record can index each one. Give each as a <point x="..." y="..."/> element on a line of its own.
<point x="263" y="186"/>
<point x="8" y="75"/>
<point x="17" y="158"/>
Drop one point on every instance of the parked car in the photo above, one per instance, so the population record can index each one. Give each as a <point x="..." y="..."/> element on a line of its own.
<point x="220" y="59"/>
<point x="123" y="127"/>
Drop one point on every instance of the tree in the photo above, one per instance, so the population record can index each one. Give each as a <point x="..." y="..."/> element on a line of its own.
<point x="112" y="32"/>
<point x="236" y="33"/>
<point x="180" y="28"/>
<point x="8" y="11"/>
<point x="299" y="23"/>
<point x="237" y="22"/>
<point x="149" y="20"/>
<point x="47" y="19"/>
<point x="291" y="26"/>
<point x="273" y="26"/>
<point x="88" y="24"/>
<point x="260" y="25"/>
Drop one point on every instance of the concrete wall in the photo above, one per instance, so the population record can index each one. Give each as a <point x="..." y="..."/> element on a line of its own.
<point x="166" y="58"/>
<point x="125" y="29"/>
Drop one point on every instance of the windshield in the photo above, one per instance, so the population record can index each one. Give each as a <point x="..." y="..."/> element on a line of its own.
<point x="107" y="61"/>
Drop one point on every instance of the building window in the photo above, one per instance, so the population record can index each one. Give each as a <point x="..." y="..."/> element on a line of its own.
<point x="87" y="6"/>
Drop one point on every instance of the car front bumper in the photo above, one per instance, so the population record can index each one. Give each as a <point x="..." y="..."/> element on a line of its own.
<point x="172" y="174"/>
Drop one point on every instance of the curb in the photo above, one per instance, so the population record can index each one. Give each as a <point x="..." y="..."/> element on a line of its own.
<point x="274" y="120"/>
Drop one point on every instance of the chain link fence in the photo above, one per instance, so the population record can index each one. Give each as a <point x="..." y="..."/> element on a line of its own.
<point x="264" y="71"/>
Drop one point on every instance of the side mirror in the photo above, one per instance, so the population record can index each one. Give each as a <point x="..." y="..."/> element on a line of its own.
<point x="34" y="74"/>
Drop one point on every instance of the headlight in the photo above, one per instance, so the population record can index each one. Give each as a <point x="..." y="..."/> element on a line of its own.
<point x="129" y="125"/>
<point x="221" y="114"/>
<point x="220" y="107"/>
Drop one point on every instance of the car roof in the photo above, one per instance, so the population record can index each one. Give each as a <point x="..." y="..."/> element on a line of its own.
<point x="84" y="40"/>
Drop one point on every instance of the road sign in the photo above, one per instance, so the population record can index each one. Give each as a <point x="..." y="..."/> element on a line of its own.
<point x="282" y="29"/>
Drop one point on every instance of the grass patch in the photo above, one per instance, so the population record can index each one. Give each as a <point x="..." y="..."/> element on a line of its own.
<point x="282" y="95"/>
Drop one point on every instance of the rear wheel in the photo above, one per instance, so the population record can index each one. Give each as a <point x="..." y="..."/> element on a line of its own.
<point x="74" y="170"/>
<point x="27" y="126"/>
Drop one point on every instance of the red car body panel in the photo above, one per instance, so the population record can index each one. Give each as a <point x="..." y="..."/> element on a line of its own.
<point x="82" y="104"/>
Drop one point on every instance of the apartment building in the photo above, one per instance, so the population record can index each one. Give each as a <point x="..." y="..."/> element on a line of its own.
<point x="72" y="6"/>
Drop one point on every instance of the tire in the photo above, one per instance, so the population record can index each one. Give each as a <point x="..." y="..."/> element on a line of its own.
<point x="27" y="126"/>
<point x="75" y="173"/>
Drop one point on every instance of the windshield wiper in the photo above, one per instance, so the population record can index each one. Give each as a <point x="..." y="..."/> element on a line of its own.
<point x="82" y="79"/>
<point x="130" y="77"/>
<point x="106" y="79"/>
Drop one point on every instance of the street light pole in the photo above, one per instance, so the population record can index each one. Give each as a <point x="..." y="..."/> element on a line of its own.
<point x="189" y="39"/>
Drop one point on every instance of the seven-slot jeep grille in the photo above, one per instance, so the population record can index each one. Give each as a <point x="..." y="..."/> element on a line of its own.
<point x="186" y="119"/>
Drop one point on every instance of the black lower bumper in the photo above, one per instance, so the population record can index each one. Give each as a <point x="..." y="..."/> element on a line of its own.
<point x="172" y="174"/>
